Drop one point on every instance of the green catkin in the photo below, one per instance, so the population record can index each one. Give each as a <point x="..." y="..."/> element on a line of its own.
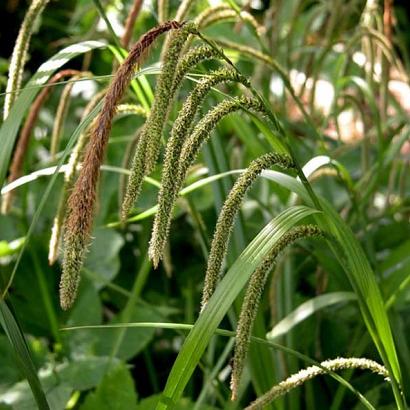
<point x="190" y="59"/>
<point x="163" y="97"/>
<point x="61" y="114"/>
<point x="180" y="130"/>
<point x="81" y="203"/>
<point x="227" y="216"/>
<point x="208" y="13"/>
<point x="311" y="372"/>
<point x="19" y="55"/>
<point x="131" y="109"/>
<point x="149" y="142"/>
<point x="188" y="153"/>
<point x="206" y="125"/>
<point x="126" y="164"/>
<point x="252" y="297"/>
<point x="230" y="14"/>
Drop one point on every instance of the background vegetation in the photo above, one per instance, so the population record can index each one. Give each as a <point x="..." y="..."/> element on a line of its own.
<point x="334" y="75"/>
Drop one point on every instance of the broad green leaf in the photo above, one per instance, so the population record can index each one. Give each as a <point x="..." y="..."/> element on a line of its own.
<point x="104" y="259"/>
<point x="115" y="392"/>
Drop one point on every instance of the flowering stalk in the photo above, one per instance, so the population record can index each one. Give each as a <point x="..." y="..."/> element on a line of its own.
<point x="230" y="14"/>
<point x="189" y="60"/>
<point x="61" y="113"/>
<point x="129" y="23"/>
<point x="206" y="125"/>
<point x="252" y="297"/>
<point x="149" y="142"/>
<point x="227" y="216"/>
<point x="19" y="56"/>
<point x="82" y="199"/>
<point x="24" y="138"/>
<point x="208" y="13"/>
<point x="180" y="130"/>
<point x="188" y="153"/>
<point x="311" y="372"/>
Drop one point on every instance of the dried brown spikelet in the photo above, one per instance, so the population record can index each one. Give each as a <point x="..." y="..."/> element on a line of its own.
<point x="252" y="298"/>
<point x="82" y="199"/>
<point x="24" y="138"/>
<point x="227" y="216"/>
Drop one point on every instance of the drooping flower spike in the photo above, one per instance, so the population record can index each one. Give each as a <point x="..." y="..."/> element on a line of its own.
<point x="226" y="219"/>
<point x="149" y="142"/>
<point x="82" y="199"/>
<point x="180" y="130"/>
<point x="311" y="372"/>
<point x="253" y="295"/>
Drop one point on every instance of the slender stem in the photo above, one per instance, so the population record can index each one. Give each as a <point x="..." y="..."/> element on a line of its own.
<point x="272" y="118"/>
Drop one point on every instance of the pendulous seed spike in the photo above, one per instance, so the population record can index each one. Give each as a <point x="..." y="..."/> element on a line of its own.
<point x="81" y="203"/>
<point x="311" y="372"/>
<point x="180" y="130"/>
<point x="190" y="150"/>
<point x="149" y="142"/>
<point x="19" y="55"/>
<point x="206" y="125"/>
<point x="227" y="216"/>
<point x="252" y="298"/>
<point x="190" y="59"/>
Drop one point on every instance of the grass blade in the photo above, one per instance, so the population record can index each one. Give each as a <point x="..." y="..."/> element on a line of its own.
<point x="23" y="357"/>
<point x="307" y="309"/>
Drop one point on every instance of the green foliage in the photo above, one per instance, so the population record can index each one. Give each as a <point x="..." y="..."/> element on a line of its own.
<point x="115" y="392"/>
<point x="320" y="89"/>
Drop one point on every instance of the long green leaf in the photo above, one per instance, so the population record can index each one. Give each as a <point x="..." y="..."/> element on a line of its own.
<point x="23" y="357"/>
